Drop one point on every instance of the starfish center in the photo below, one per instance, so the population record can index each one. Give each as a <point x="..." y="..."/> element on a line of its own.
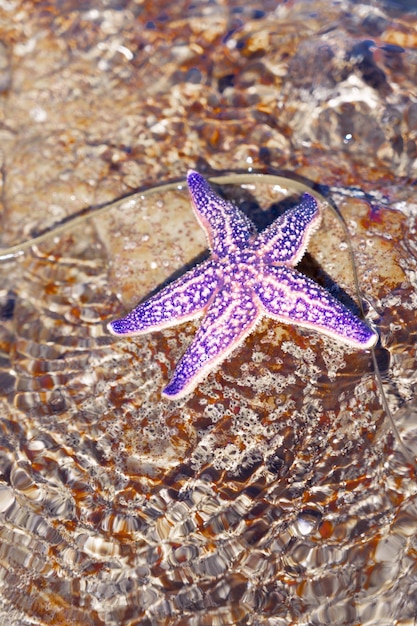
<point x="240" y="268"/>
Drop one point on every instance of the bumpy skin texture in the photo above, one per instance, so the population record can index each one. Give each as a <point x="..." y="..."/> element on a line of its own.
<point x="247" y="276"/>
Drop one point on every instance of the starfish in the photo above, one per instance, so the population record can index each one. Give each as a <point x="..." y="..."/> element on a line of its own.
<point x="247" y="276"/>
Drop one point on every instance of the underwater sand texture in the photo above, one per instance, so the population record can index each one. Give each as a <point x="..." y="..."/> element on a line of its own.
<point x="276" y="493"/>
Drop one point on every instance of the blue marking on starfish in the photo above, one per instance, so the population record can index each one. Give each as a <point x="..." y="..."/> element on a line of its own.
<point x="248" y="276"/>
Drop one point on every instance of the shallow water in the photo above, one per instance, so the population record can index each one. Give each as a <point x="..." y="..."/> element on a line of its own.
<point x="275" y="494"/>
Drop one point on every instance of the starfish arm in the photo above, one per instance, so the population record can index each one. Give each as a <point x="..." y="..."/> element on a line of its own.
<point x="226" y="227"/>
<point x="182" y="300"/>
<point x="231" y="317"/>
<point x="292" y="298"/>
<point x="286" y="239"/>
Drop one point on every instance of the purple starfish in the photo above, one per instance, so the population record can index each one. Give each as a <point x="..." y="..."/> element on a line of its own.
<point x="246" y="277"/>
